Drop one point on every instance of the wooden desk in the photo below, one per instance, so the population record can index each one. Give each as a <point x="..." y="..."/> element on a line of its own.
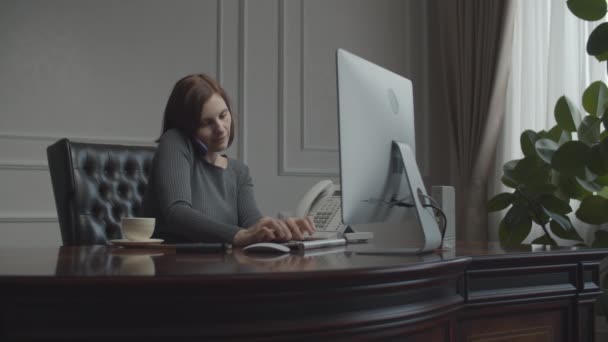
<point x="472" y="293"/>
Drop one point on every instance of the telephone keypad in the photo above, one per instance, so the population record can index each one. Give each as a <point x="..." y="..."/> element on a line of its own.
<point x="326" y="214"/>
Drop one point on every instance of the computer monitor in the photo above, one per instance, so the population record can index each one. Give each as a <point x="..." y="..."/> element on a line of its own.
<point x="378" y="171"/>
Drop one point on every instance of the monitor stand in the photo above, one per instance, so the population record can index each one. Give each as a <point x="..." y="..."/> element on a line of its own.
<point x="426" y="216"/>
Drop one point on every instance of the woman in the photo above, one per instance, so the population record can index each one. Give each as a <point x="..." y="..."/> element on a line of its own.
<point x="198" y="194"/>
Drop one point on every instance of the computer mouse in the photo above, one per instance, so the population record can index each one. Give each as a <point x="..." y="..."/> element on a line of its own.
<point x="267" y="247"/>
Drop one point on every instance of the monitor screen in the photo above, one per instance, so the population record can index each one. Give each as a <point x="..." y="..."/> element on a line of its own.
<point x="375" y="108"/>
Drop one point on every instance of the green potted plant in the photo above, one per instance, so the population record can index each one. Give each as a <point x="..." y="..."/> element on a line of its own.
<point x="568" y="162"/>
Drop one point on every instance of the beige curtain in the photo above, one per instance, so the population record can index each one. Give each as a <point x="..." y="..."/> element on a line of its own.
<point x="470" y="43"/>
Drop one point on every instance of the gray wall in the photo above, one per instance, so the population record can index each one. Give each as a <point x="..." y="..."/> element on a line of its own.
<point x="101" y="71"/>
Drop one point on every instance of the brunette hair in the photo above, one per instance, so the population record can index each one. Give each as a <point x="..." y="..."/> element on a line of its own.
<point x="185" y="104"/>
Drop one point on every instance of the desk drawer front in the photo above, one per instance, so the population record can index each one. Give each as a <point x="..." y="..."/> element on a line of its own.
<point x="521" y="283"/>
<point x="518" y="324"/>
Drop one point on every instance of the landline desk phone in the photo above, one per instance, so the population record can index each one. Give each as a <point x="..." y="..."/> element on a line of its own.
<point x="323" y="203"/>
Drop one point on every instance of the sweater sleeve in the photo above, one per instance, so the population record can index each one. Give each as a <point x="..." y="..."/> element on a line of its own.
<point x="172" y="168"/>
<point x="248" y="210"/>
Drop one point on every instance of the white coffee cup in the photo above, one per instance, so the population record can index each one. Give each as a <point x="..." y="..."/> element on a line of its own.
<point x="138" y="228"/>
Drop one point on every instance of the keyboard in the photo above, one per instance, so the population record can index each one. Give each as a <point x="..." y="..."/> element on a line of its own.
<point x="392" y="251"/>
<point x="320" y="235"/>
<point x="312" y="244"/>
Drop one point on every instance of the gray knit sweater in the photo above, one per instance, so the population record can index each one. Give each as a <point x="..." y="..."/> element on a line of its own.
<point x="194" y="200"/>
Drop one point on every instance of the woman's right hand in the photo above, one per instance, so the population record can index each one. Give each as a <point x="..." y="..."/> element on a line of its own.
<point x="266" y="229"/>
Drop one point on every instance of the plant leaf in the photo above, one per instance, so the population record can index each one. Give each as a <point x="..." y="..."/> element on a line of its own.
<point x="558" y="135"/>
<point x="604" y="149"/>
<point x="519" y="200"/>
<point x="508" y="178"/>
<point x="589" y="185"/>
<point x="532" y="171"/>
<point x="589" y="176"/>
<point x="558" y="192"/>
<point x="542" y="134"/>
<point x="554" y="204"/>
<point x="540" y="218"/>
<point x="515" y="226"/>
<point x="603" y="192"/>
<point x="564" y="137"/>
<point x="597" y="45"/>
<point x="571" y="159"/>
<point x="566" y="114"/>
<point x="601" y="239"/>
<point x="589" y="10"/>
<point x="589" y="130"/>
<point x="537" y="190"/>
<point x="545" y="148"/>
<point x="593" y="210"/>
<point x="500" y="201"/>
<point x="527" y="140"/>
<point x="508" y="182"/>
<point x="555" y="133"/>
<point x="594" y="98"/>
<point x="570" y="187"/>
<point x="562" y="220"/>
<point x="598" y="163"/>
<point x="602" y="180"/>
<point x="562" y="233"/>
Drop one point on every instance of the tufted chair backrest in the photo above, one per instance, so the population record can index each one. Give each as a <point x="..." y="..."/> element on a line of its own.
<point x="95" y="185"/>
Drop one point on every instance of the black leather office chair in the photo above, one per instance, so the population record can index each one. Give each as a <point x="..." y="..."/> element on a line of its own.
<point x="95" y="185"/>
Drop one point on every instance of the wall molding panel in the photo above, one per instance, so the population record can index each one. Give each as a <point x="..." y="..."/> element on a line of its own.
<point x="29" y="218"/>
<point x="242" y="72"/>
<point x="51" y="138"/>
<point x="218" y="40"/>
<point x="281" y="89"/>
<point x="305" y="147"/>
<point x="23" y="165"/>
<point x="39" y="142"/>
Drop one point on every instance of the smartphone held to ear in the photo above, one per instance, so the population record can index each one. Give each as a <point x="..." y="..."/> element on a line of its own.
<point x="200" y="146"/>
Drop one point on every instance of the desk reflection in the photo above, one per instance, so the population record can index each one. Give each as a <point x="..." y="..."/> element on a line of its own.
<point x="106" y="261"/>
<point x="119" y="261"/>
<point x="97" y="261"/>
<point x="147" y="262"/>
<point x="271" y="262"/>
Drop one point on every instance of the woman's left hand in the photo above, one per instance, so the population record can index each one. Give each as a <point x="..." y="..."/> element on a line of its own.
<point x="299" y="226"/>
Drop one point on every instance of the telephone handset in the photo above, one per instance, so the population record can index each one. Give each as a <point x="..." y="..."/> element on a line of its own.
<point x="323" y="202"/>
<point x="200" y="146"/>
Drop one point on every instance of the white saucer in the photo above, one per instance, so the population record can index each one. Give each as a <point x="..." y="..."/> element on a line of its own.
<point x="142" y="243"/>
